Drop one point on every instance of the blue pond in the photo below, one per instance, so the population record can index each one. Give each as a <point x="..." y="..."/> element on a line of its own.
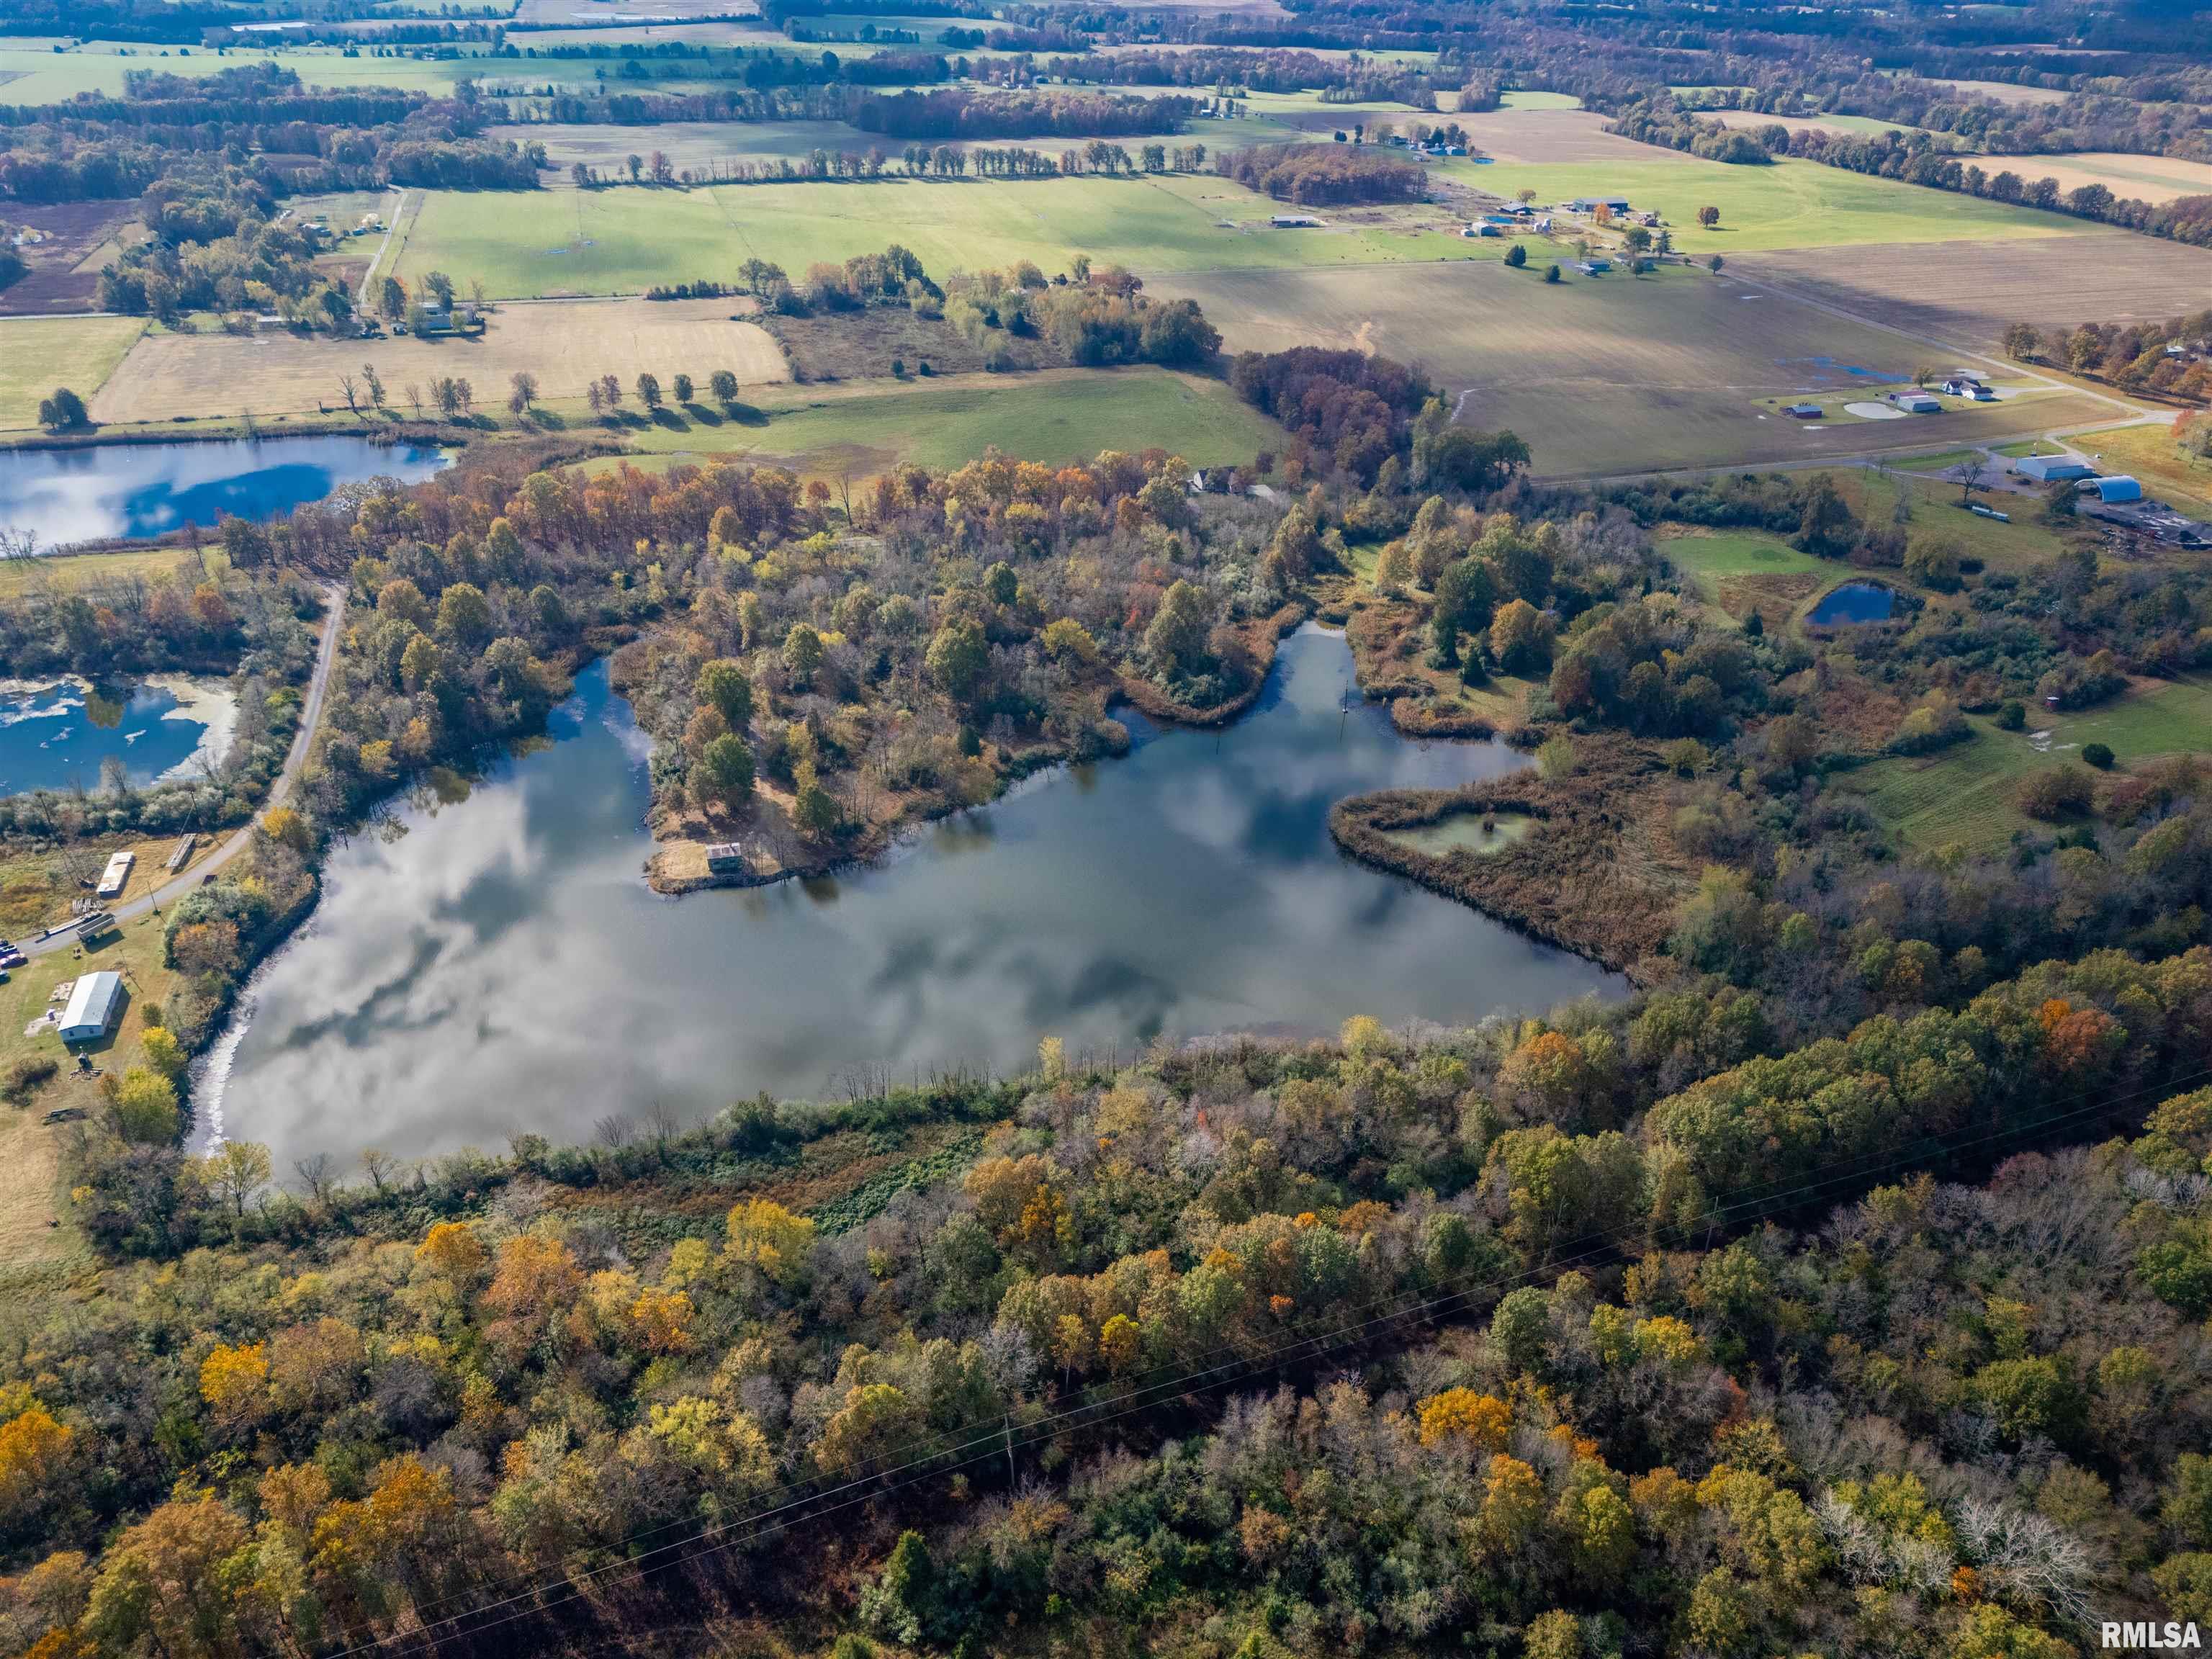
<point x="54" y="736"/>
<point x="1853" y="602"/>
<point x="62" y="496"/>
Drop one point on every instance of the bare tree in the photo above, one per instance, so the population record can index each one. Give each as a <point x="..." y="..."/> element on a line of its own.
<point x="378" y="1165"/>
<point x="318" y="1175"/>
<point x="351" y="387"/>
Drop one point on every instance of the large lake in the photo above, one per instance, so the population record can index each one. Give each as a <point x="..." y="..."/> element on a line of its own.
<point x="62" y="496"/>
<point x="58" y="735"/>
<point x="500" y="966"/>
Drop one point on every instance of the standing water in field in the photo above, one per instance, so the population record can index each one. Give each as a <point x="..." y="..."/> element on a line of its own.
<point x="500" y="966"/>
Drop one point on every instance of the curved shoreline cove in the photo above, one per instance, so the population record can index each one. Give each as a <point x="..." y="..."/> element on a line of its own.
<point x="499" y="967"/>
<point x="111" y="491"/>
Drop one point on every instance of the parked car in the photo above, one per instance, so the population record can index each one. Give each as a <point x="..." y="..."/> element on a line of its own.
<point x="13" y="959"/>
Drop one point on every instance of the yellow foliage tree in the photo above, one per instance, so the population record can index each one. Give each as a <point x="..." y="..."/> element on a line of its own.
<point x="1479" y="1420"/>
<point x="766" y="1236"/>
<point x="234" y="1381"/>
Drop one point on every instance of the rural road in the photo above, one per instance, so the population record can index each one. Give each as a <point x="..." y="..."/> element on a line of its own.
<point x="310" y="712"/>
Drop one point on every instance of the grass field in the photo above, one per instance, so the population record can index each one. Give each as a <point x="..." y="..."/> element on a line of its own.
<point x="1790" y="204"/>
<point x="1716" y="553"/>
<point x="2154" y="179"/>
<point x="91" y="574"/>
<point x="1613" y="375"/>
<point x="1963" y="794"/>
<point x="1873" y="497"/>
<point x="565" y="344"/>
<point x="863" y="428"/>
<point x="38" y="354"/>
<point x="46" y="77"/>
<point x="623" y="240"/>
<point x="2168" y="471"/>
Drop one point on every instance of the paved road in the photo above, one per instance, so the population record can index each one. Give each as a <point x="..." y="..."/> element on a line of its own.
<point x="279" y="793"/>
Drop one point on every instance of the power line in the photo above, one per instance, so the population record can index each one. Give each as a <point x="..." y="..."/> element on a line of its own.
<point x="986" y="1439"/>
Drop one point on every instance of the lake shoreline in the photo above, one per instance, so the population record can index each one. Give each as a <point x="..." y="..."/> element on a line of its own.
<point x="879" y="840"/>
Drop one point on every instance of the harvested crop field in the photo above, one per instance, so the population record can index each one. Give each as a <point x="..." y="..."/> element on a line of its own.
<point x="1966" y="293"/>
<point x="1614" y="375"/>
<point x="2154" y="179"/>
<point x="565" y="344"/>
<point x="1857" y="126"/>
<point x="1540" y="137"/>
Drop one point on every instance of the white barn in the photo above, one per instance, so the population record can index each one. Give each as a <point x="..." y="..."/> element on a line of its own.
<point x="94" y="1002"/>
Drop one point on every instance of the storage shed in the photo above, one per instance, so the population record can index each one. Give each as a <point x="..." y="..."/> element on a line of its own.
<point x="2120" y="488"/>
<point x="2051" y="469"/>
<point x="94" y="1002"/>
<point x="1917" y="403"/>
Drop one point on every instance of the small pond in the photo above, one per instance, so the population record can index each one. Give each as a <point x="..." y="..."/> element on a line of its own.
<point x="500" y="966"/>
<point x="1853" y="602"/>
<point x="1466" y="832"/>
<point x="59" y="734"/>
<point x="63" y="497"/>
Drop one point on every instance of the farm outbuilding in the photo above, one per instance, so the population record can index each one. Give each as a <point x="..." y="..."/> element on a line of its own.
<point x="2118" y="488"/>
<point x="94" y="1002"/>
<point x="1592" y="203"/>
<point x="1803" y="411"/>
<point x="1296" y="221"/>
<point x="2051" y="469"/>
<point x="1916" y="403"/>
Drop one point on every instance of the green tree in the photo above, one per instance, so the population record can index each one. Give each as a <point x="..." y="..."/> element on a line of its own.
<point x="724" y="685"/>
<point x="959" y="660"/>
<point x="684" y="388"/>
<point x="648" y="391"/>
<point x="802" y="653"/>
<point x="1825" y="528"/>
<point x="63" y="411"/>
<point x="725" y="770"/>
<point x="1174" y="640"/>
<point x="724" y="385"/>
<point x="1516" y="256"/>
<point x="464" y="613"/>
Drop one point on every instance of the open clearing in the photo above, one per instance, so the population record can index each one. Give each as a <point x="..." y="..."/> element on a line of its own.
<point x="74" y="241"/>
<point x="2152" y="178"/>
<point x="1790" y="204"/>
<point x="1967" y="293"/>
<point x="2005" y="92"/>
<point x="623" y="240"/>
<point x="565" y="344"/>
<point x="1613" y="375"/>
<point x="1963" y="794"/>
<point x="97" y="575"/>
<point x="38" y="354"/>
<point x="863" y="428"/>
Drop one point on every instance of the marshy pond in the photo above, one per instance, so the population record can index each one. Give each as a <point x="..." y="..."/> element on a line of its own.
<point x="1480" y="833"/>
<point x="61" y="734"/>
<point x="498" y="965"/>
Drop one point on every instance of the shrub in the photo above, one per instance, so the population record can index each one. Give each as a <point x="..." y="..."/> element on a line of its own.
<point x="2097" y="755"/>
<point x="2058" y="793"/>
<point x="2013" y="717"/>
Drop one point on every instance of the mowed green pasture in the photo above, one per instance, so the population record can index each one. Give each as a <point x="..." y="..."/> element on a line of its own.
<point x="1790" y="204"/>
<point x="625" y="240"/>
<point x="38" y="354"/>
<point x="1963" y="795"/>
<point x="1720" y="553"/>
<point x="1059" y="416"/>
